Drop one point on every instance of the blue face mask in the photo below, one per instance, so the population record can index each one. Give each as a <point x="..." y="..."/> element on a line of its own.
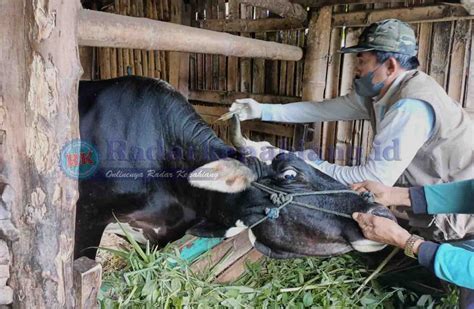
<point x="364" y="86"/>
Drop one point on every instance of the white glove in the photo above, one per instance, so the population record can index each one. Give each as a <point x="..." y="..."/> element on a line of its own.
<point x="246" y="109"/>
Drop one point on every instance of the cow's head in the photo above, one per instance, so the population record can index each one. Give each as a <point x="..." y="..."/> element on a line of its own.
<point x="297" y="231"/>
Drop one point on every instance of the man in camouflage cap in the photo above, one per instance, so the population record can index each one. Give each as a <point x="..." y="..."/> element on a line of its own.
<point x="421" y="135"/>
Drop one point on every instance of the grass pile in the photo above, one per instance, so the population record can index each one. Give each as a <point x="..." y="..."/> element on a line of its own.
<point x="155" y="278"/>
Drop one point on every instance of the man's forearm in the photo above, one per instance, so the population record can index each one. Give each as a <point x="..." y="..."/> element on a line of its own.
<point x="348" y="107"/>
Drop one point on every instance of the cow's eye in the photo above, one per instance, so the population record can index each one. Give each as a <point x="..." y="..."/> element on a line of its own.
<point x="289" y="174"/>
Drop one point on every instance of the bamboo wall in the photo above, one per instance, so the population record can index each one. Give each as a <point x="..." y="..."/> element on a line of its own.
<point x="114" y="62"/>
<point x="215" y="81"/>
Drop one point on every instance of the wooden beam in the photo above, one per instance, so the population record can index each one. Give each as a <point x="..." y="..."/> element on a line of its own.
<point x="283" y="8"/>
<point x="251" y="25"/>
<point x="419" y="14"/>
<point x="105" y="29"/>
<point x="228" y="97"/>
<point x="87" y="281"/>
<point x="321" y="3"/>
<point x="39" y="78"/>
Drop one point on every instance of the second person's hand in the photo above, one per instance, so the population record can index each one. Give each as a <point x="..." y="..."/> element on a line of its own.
<point x="383" y="194"/>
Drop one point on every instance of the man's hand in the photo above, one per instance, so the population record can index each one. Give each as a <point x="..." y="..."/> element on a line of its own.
<point x="381" y="229"/>
<point x="383" y="194"/>
<point x="247" y="109"/>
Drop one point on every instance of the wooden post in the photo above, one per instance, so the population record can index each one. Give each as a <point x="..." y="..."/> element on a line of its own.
<point x="440" y="50"/>
<point x="105" y="29"/>
<point x="332" y="91"/>
<point x="39" y="76"/>
<point x="344" y="128"/>
<point x="459" y="58"/>
<point x="284" y="8"/>
<point x="316" y="63"/>
<point x="87" y="280"/>
<point x="469" y="98"/>
<point x="424" y="44"/>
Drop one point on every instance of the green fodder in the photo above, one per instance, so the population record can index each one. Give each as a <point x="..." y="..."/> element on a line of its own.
<point x="160" y="279"/>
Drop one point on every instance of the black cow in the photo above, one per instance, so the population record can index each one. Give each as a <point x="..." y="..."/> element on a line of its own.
<point x="148" y="137"/>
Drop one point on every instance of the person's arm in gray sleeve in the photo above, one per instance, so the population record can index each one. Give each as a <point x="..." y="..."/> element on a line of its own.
<point x="349" y="107"/>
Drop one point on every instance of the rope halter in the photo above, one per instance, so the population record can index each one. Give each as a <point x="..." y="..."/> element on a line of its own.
<point x="282" y="199"/>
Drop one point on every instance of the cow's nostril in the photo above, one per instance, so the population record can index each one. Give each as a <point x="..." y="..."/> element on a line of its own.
<point x="382" y="211"/>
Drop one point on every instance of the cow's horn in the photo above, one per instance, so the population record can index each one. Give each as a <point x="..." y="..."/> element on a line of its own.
<point x="236" y="137"/>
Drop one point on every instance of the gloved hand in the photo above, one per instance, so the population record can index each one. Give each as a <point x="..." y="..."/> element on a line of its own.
<point x="247" y="109"/>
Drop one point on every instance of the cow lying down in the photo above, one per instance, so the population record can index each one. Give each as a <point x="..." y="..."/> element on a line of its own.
<point x="287" y="207"/>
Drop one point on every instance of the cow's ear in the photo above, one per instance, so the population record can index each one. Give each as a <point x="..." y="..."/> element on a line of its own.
<point x="226" y="175"/>
<point x="207" y="229"/>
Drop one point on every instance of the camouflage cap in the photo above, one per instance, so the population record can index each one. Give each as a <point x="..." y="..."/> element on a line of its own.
<point x="390" y="35"/>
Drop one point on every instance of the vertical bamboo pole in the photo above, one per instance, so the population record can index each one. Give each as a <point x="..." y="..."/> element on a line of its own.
<point x="208" y="58"/>
<point x="143" y="53"/>
<point x="283" y="66"/>
<point x="156" y="53"/>
<point x="222" y="59"/>
<point x="245" y="63"/>
<point x="174" y="57"/>
<point x="137" y="53"/>
<point x="214" y="58"/>
<point x="150" y="53"/>
<point x="125" y="51"/>
<point x="120" y="71"/>
<point x="131" y="52"/>
<point x="300" y="65"/>
<point x="232" y="62"/>
<point x="183" y="81"/>
<point x="200" y="57"/>
<point x="193" y="82"/>
<point x="290" y="69"/>
<point x="163" y="55"/>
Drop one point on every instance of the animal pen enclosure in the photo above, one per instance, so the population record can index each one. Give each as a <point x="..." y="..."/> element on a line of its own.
<point x="38" y="86"/>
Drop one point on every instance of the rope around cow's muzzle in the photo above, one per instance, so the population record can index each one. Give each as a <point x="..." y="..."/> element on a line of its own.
<point x="282" y="199"/>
